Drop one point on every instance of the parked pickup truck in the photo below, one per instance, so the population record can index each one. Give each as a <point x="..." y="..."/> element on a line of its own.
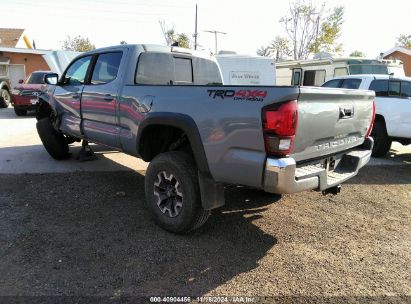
<point x="24" y="95"/>
<point x="169" y="107"/>
<point x="393" y="107"/>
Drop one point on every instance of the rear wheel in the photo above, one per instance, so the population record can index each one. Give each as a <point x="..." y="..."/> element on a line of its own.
<point x="382" y="143"/>
<point x="173" y="193"/>
<point x="20" y="112"/>
<point x="5" y="98"/>
<point x="53" y="141"/>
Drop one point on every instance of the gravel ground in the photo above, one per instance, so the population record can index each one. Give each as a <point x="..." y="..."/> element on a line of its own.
<point x="78" y="234"/>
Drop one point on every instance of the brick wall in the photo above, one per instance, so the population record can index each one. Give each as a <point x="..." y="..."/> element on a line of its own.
<point x="33" y="62"/>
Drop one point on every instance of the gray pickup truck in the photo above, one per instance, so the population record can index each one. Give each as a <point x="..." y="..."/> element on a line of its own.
<point x="169" y="107"/>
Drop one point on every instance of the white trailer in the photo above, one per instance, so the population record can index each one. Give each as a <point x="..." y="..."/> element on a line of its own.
<point x="315" y="72"/>
<point x="246" y="70"/>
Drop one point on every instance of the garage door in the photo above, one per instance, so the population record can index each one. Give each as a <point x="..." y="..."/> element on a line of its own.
<point x="16" y="72"/>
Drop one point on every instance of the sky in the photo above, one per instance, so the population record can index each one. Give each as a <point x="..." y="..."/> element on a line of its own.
<point x="370" y="26"/>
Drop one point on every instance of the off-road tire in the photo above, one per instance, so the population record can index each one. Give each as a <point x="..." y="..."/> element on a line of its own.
<point x="53" y="141"/>
<point x="20" y="112"/>
<point x="5" y="98"/>
<point x="182" y="167"/>
<point x="382" y="143"/>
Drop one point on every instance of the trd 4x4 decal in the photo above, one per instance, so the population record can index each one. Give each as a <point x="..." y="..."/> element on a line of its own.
<point x="248" y="95"/>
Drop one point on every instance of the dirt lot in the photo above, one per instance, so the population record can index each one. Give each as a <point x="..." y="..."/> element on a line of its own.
<point x="73" y="234"/>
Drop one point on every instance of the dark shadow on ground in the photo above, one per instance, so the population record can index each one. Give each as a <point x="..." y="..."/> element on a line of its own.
<point x="72" y="234"/>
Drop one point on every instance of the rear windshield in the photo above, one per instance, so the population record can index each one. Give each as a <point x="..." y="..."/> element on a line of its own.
<point x="368" y="69"/>
<point x="156" y="68"/>
<point x="36" y="78"/>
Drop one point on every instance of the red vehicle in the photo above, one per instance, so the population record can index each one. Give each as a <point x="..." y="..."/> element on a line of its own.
<point x="24" y="96"/>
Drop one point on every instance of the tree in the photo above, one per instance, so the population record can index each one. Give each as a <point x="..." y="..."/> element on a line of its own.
<point x="404" y="41"/>
<point x="357" y="54"/>
<point x="309" y="32"/>
<point x="123" y="42"/>
<point x="330" y="31"/>
<point x="183" y="40"/>
<point x="280" y="46"/>
<point x="301" y="26"/>
<point x="78" y="44"/>
<point x="264" y="51"/>
<point x="171" y="36"/>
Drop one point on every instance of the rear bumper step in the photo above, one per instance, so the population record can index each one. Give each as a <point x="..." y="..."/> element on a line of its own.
<point x="283" y="176"/>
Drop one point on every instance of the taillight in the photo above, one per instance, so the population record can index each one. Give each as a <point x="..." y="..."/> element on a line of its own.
<point x="372" y="120"/>
<point x="280" y="125"/>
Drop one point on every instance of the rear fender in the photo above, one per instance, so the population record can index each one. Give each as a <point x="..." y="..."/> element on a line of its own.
<point x="212" y="193"/>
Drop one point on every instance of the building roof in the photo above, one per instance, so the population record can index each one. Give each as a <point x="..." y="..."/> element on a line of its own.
<point x="24" y="51"/>
<point x="9" y="37"/>
<point x="400" y="49"/>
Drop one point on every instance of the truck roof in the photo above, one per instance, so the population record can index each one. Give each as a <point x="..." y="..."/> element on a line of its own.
<point x="373" y="76"/>
<point x="154" y="48"/>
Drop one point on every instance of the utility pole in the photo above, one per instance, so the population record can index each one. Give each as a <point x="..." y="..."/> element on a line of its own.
<point x="195" y="31"/>
<point x="215" y="37"/>
<point x="316" y="34"/>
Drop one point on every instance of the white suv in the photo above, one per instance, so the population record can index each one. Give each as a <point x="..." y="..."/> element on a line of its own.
<point x="393" y="107"/>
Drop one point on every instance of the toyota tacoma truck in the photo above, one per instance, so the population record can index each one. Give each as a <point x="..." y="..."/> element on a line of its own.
<point x="169" y="107"/>
<point x="393" y="107"/>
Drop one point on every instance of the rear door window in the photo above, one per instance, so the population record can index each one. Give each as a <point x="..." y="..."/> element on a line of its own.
<point x="155" y="68"/>
<point x="106" y="68"/>
<point x="406" y="89"/>
<point x="394" y="88"/>
<point x="380" y="87"/>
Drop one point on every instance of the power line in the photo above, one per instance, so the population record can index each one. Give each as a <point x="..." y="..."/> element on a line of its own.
<point x="215" y="37"/>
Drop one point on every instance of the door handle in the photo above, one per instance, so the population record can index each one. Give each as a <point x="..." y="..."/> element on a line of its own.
<point x="108" y="97"/>
<point x="75" y="96"/>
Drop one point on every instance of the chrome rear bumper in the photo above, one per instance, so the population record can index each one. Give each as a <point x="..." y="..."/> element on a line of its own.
<point x="283" y="176"/>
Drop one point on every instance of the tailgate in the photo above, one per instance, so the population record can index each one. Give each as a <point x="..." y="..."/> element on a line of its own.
<point x="330" y="121"/>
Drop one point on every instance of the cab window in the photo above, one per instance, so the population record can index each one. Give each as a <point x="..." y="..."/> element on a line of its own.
<point x="76" y="73"/>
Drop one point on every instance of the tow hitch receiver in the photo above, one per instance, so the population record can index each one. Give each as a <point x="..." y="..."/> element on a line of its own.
<point x="334" y="190"/>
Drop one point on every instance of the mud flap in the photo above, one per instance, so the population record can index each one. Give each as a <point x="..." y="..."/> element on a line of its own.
<point x="212" y="193"/>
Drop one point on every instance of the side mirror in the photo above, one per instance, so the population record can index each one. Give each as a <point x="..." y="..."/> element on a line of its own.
<point x="51" y="78"/>
<point x="21" y="81"/>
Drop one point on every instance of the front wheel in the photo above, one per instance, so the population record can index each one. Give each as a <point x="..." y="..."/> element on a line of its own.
<point x="54" y="142"/>
<point x="173" y="193"/>
<point x="382" y="143"/>
<point x="5" y="98"/>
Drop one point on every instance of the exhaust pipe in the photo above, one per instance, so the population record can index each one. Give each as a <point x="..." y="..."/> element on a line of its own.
<point x="334" y="190"/>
